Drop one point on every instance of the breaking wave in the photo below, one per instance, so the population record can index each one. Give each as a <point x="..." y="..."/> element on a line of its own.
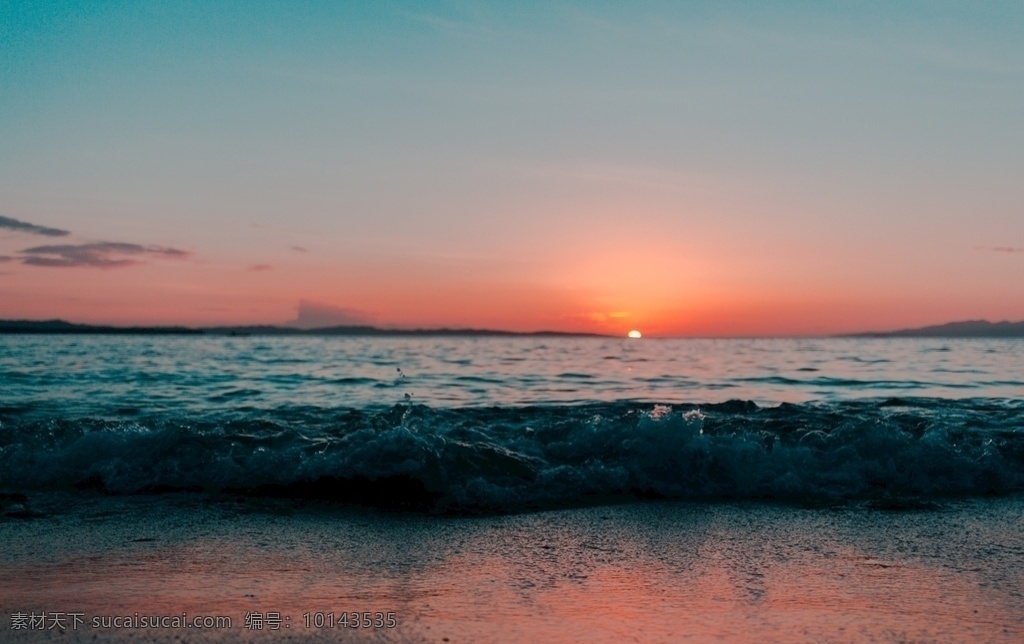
<point x="510" y="459"/>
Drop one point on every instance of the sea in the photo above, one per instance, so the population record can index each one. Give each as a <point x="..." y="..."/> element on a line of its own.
<point x="512" y="488"/>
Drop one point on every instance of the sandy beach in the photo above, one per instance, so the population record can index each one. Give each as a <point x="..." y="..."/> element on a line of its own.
<point x="660" y="571"/>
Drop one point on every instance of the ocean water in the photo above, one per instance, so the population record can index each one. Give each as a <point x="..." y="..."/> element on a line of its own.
<point x="548" y="489"/>
<point x="498" y="425"/>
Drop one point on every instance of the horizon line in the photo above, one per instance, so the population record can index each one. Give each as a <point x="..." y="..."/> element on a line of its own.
<point x="60" y="326"/>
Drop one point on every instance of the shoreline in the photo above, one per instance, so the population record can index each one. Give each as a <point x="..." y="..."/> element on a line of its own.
<point x="652" y="571"/>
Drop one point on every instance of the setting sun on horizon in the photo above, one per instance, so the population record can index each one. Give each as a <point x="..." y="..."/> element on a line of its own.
<point x="462" y="320"/>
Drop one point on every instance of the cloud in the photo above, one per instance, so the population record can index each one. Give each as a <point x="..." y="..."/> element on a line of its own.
<point x="6" y="258"/>
<point x="96" y="255"/>
<point x="256" y="268"/>
<point x="25" y="227"/>
<point x="1001" y="249"/>
<point x="313" y="315"/>
<point x="300" y="249"/>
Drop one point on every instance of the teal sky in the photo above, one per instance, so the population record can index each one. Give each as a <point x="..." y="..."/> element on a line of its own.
<point x="750" y="167"/>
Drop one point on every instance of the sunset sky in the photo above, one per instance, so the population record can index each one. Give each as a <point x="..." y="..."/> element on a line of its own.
<point x="684" y="168"/>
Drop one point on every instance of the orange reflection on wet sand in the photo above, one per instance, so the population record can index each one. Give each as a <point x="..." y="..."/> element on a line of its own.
<point x="648" y="572"/>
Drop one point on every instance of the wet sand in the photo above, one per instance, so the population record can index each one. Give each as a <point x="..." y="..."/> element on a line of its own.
<point x="660" y="571"/>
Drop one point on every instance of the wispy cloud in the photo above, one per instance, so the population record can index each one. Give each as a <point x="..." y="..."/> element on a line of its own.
<point x="96" y="255"/>
<point x="258" y="268"/>
<point x="472" y="27"/>
<point x="1002" y="249"/>
<point x="25" y="227"/>
<point x="300" y="249"/>
<point x="6" y="258"/>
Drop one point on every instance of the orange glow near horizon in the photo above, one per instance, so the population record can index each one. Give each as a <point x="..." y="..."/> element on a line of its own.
<point x="165" y="296"/>
<point x="416" y="190"/>
<point x="596" y="288"/>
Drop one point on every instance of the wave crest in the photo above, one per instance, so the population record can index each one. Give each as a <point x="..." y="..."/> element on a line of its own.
<point x="514" y="458"/>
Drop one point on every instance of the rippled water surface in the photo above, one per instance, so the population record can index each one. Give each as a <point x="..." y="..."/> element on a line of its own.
<point x="96" y="373"/>
<point x="501" y="425"/>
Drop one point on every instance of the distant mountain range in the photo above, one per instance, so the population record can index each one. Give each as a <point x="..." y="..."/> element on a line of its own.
<point x="968" y="329"/>
<point x="62" y="327"/>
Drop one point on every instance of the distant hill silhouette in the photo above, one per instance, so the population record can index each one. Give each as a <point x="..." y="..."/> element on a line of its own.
<point x="968" y="329"/>
<point x="62" y="327"/>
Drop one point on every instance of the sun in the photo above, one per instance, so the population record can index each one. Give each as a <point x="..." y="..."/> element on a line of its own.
<point x="634" y="334"/>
